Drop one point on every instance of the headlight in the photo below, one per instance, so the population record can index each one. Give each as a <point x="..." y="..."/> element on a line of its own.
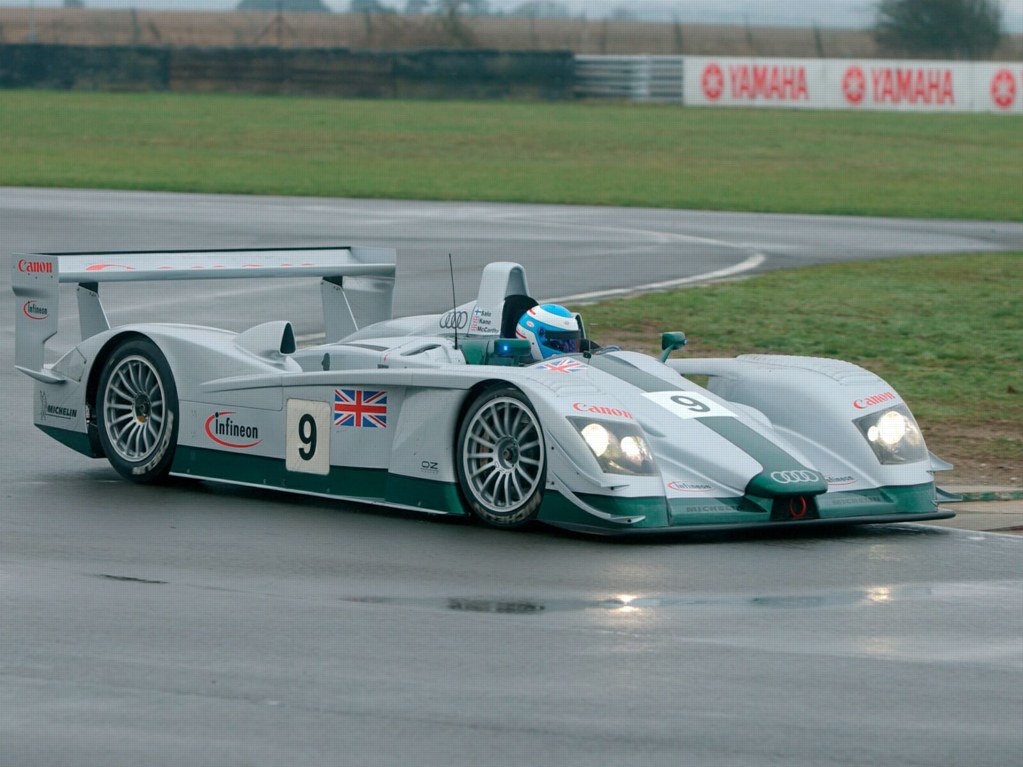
<point x="597" y="437"/>
<point x="618" y="447"/>
<point x="893" y="435"/>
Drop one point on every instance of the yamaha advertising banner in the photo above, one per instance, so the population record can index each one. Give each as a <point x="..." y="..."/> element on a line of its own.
<point x="854" y="84"/>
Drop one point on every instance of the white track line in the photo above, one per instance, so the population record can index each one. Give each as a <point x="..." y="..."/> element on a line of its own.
<point x="749" y="264"/>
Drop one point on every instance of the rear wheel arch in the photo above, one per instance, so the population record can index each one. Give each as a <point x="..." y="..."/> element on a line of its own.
<point x="99" y="363"/>
<point x="135" y="406"/>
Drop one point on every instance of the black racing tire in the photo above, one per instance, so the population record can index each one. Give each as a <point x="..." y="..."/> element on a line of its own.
<point x="501" y="458"/>
<point x="137" y="411"/>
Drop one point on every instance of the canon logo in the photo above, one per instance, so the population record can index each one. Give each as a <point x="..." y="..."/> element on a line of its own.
<point x="873" y="399"/>
<point x="582" y="407"/>
<point x="35" y="267"/>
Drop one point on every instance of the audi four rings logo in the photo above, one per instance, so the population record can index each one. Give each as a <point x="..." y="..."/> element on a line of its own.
<point x="454" y="320"/>
<point x="794" y="477"/>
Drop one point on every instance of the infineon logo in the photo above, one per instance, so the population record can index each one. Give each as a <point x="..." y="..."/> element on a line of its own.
<point x="874" y="399"/>
<point x="35" y="267"/>
<point x="35" y="311"/>
<point x="224" y="431"/>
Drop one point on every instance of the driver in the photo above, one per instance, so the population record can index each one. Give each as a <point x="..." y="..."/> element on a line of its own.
<point x="550" y="330"/>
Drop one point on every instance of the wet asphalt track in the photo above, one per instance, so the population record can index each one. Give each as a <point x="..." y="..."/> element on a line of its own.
<point x="199" y="624"/>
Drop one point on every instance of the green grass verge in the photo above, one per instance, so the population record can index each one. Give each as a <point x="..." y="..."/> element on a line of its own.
<point x="945" y="331"/>
<point x="957" y="166"/>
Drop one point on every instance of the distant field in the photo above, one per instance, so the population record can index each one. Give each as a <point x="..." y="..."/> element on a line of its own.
<point x="943" y="330"/>
<point x="959" y="166"/>
<point x="91" y="26"/>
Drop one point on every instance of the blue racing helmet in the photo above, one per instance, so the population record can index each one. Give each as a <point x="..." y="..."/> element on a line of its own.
<point x="550" y="329"/>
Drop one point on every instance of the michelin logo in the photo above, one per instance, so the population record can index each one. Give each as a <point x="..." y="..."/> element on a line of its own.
<point x="46" y="410"/>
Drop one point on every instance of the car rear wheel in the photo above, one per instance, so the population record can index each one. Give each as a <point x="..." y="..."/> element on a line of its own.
<point x="502" y="464"/>
<point x="137" y="411"/>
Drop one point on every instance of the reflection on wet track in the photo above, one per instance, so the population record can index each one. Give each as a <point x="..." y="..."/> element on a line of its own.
<point x="628" y="604"/>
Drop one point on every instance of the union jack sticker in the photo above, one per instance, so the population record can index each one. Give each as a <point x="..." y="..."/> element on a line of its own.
<point x="361" y="408"/>
<point x="566" y="365"/>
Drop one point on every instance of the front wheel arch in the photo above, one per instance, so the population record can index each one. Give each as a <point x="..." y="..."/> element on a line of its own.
<point x="500" y="456"/>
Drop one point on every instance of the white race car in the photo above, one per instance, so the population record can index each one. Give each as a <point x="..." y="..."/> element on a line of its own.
<point x="451" y="414"/>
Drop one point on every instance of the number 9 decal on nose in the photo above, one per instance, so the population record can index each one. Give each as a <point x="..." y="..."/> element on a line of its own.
<point x="687" y="404"/>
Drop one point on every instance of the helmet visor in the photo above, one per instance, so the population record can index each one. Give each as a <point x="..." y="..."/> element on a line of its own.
<point x="562" y="341"/>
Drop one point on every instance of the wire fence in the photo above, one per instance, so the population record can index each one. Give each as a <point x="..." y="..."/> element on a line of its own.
<point x="72" y="26"/>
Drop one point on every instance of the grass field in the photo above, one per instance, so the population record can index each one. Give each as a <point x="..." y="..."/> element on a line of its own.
<point x="946" y="331"/>
<point x="959" y="166"/>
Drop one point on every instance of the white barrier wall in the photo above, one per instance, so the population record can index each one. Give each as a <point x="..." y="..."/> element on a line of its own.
<point x="854" y="84"/>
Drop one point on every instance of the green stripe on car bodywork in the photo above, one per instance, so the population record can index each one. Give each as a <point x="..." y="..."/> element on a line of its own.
<point x="629" y="373"/>
<point x="769" y="455"/>
<point x="892" y="504"/>
<point x="558" y="510"/>
<point x="76" y="440"/>
<point x="376" y="486"/>
<point x="903" y="499"/>
<point x="370" y="485"/>
<point x="879" y="502"/>
<point x="765" y="452"/>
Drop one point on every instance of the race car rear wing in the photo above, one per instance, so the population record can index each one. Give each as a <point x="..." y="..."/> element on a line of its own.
<point x="357" y="286"/>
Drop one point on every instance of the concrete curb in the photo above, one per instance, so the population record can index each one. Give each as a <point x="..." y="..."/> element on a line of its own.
<point x="992" y="495"/>
<point x="985" y="508"/>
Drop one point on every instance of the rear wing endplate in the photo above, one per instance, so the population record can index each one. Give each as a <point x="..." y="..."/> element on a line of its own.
<point x="357" y="286"/>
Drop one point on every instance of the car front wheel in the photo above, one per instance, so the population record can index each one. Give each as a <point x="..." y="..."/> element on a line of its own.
<point x="501" y="458"/>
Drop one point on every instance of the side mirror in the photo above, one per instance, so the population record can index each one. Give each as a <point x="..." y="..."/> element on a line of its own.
<point x="670" y="342"/>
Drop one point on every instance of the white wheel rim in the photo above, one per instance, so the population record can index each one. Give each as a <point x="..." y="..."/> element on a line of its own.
<point x="502" y="455"/>
<point x="134" y="409"/>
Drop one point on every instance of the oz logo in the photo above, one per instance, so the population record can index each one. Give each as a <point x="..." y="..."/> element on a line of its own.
<point x="713" y="82"/>
<point x="1003" y="89"/>
<point x="854" y="85"/>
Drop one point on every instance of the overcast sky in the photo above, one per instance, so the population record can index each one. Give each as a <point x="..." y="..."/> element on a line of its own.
<point x="847" y="13"/>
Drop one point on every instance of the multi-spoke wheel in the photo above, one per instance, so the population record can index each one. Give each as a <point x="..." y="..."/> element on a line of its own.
<point x="136" y="411"/>
<point x="501" y="458"/>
